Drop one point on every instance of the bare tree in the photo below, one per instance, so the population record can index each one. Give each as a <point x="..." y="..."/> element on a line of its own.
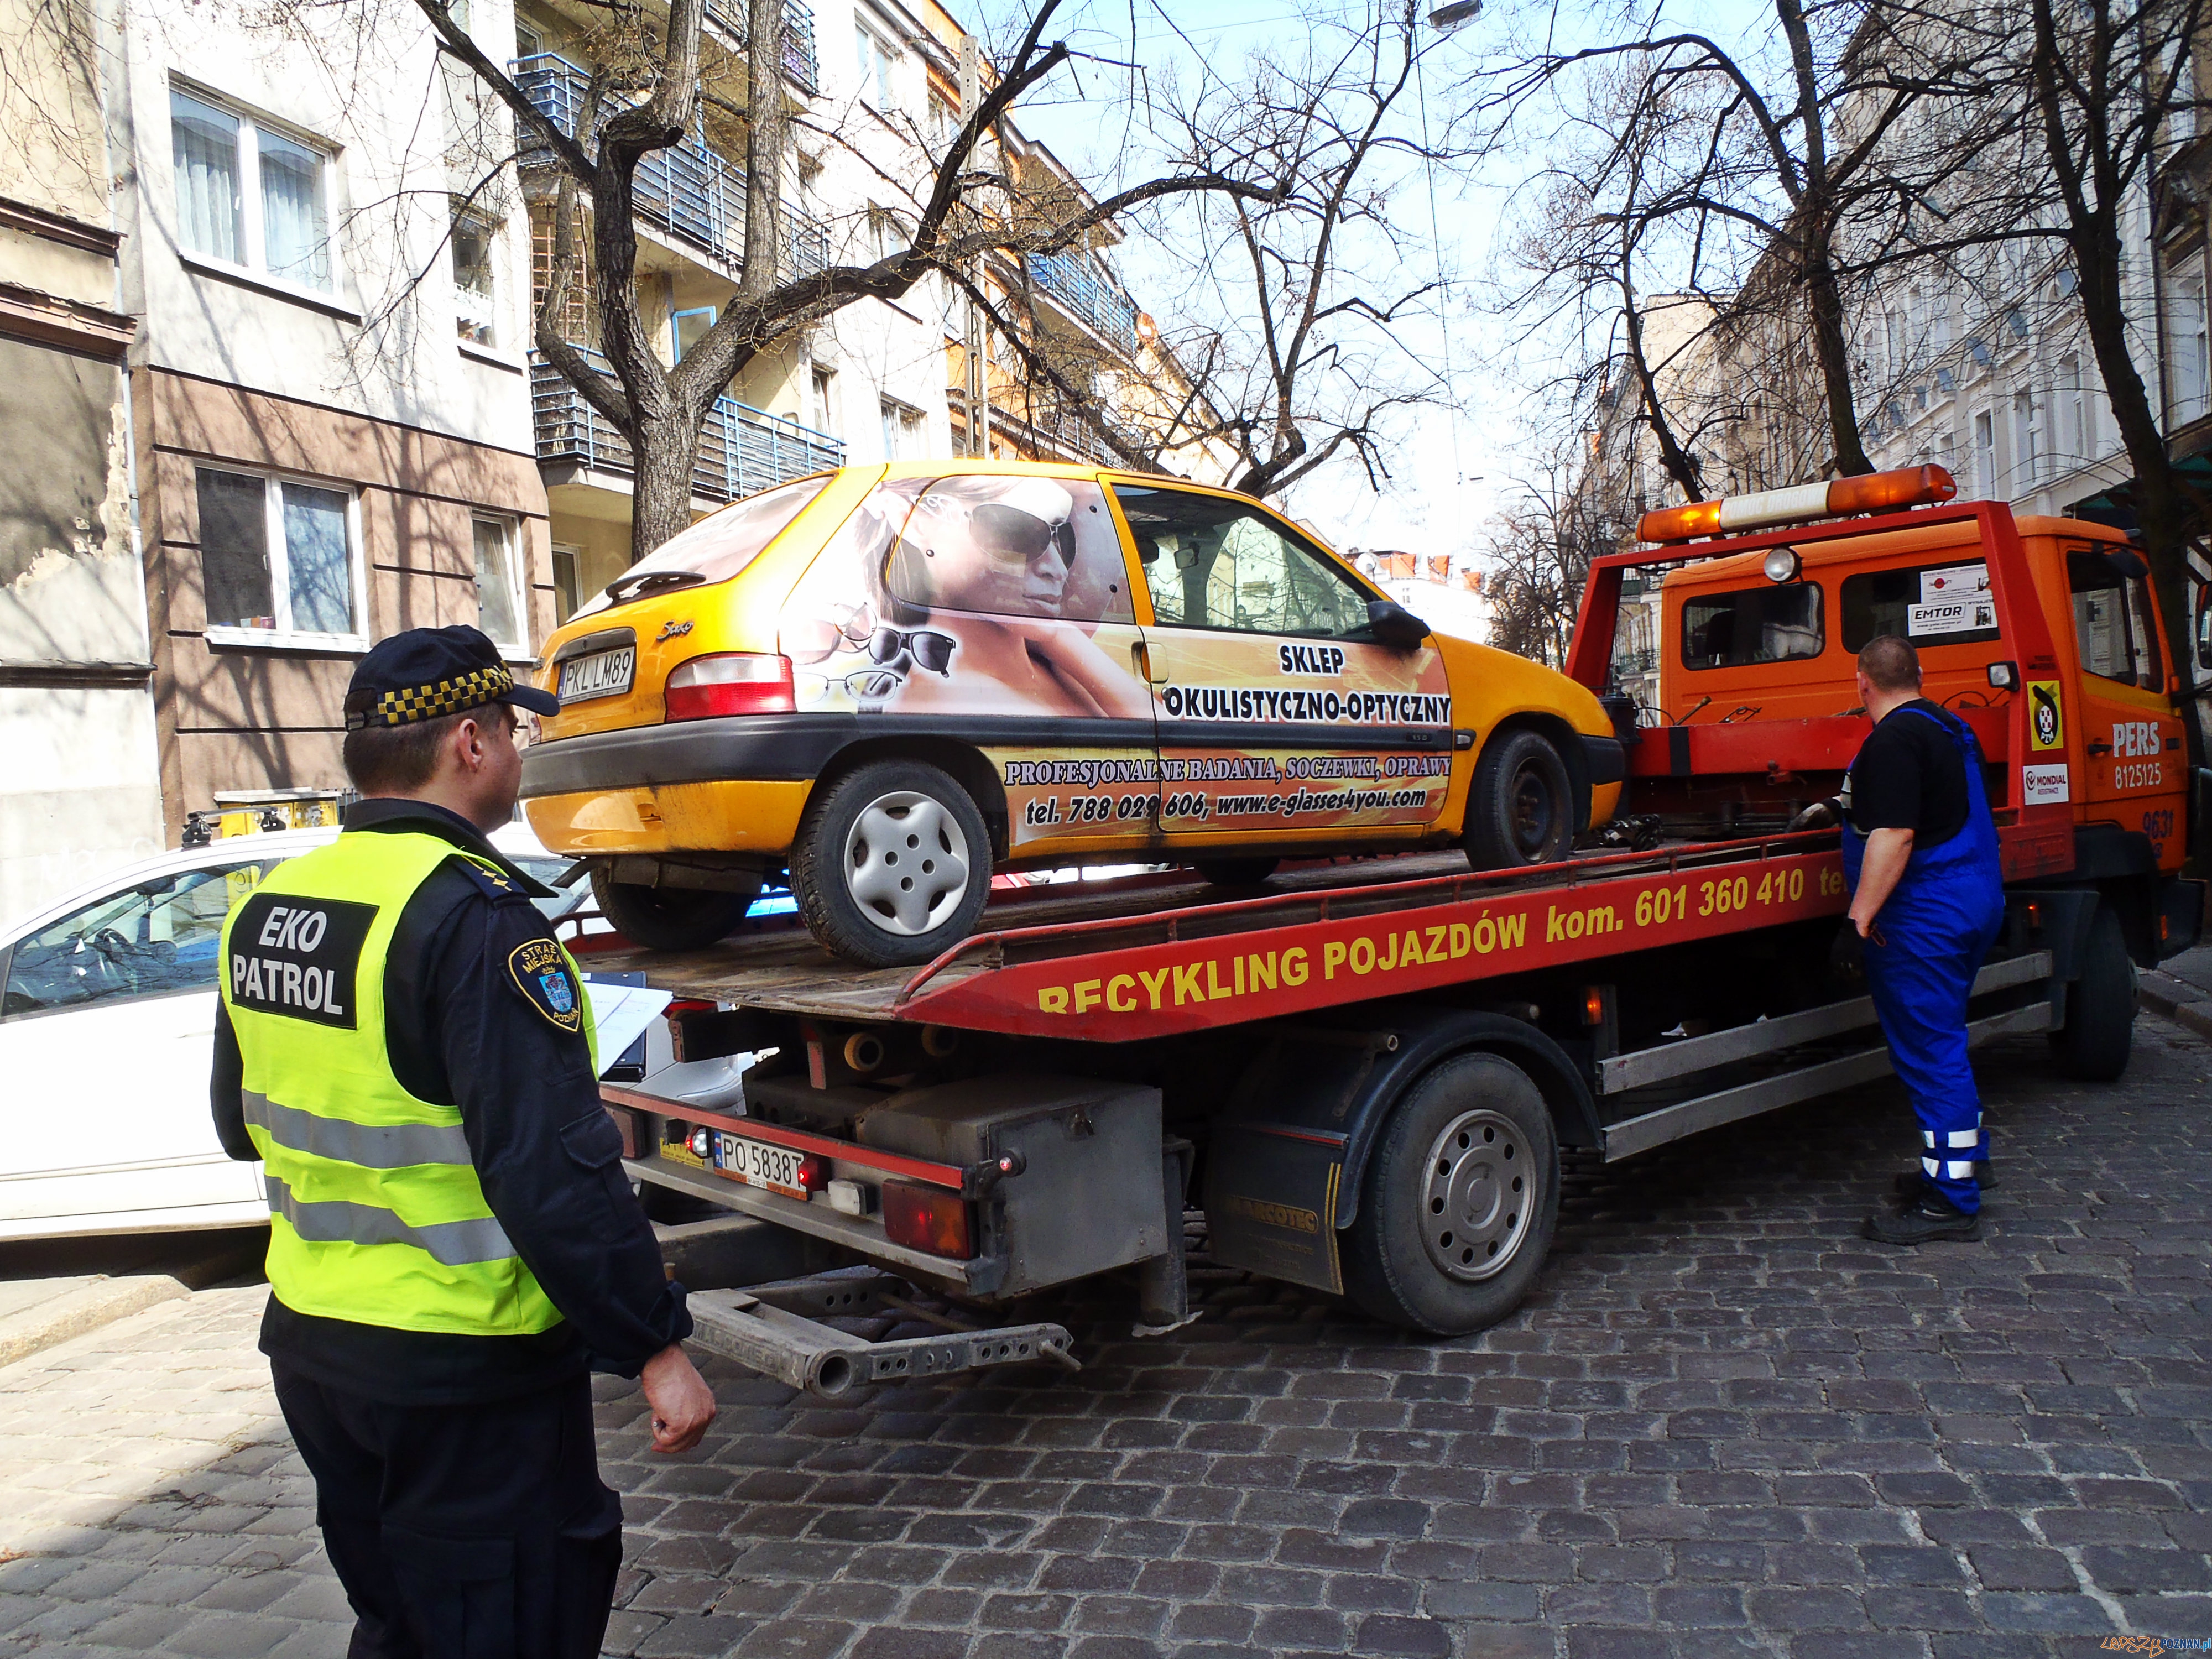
<point x="645" y="96"/>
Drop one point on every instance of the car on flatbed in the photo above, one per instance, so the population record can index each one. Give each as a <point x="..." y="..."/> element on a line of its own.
<point x="895" y="680"/>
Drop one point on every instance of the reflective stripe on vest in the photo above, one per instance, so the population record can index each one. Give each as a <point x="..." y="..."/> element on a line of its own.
<point x="376" y="1213"/>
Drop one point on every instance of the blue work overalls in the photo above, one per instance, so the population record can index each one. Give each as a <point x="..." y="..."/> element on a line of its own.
<point x="1935" y="930"/>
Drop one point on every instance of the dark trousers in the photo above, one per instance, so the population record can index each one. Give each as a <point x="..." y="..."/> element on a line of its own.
<point x="462" y="1532"/>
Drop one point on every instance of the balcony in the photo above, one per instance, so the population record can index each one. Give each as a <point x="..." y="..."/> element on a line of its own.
<point x="688" y="189"/>
<point x="1078" y="284"/>
<point x="1044" y="427"/>
<point x="742" y="451"/>
<point x="799" y="59"/>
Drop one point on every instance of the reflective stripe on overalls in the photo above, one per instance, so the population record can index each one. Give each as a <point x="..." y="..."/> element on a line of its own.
<point x="376" y="1214"/>
<point x="1935" y="928"/>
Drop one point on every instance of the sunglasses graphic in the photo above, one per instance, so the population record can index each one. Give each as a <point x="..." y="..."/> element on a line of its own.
<point x="1009" y="536"/>
<point x="897" y="649"/>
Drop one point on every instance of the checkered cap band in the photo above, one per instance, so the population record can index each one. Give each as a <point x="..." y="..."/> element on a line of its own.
<point x="430" y="702"/>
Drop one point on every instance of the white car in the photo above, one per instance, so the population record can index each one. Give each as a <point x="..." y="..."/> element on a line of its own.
<point x="107" y="1003"/>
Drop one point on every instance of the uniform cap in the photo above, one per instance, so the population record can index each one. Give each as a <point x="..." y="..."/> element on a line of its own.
<point x="428" y="673"/>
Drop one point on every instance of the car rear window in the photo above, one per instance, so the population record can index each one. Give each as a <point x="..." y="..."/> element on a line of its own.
<point x="718" y="546"/>
<point x="1770" y="624"/>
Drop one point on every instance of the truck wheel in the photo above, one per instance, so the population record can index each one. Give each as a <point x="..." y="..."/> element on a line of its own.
<point x="1236" y="872"/>
<point x="892" y="864"/>
<point x="1459" y="1200"/>
<point x="1520" y="808"/>
<point x="2101" y="1006"/>
<point x="667" y="918"/>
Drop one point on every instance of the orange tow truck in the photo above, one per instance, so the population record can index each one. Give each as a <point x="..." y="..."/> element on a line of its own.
<point x="1364" y="1074"/>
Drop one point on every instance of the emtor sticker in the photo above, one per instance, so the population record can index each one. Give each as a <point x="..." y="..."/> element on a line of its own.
<point x="1968" y="614"/>
<point x="2045" y="728"/>
<point x="2045" y="785"/>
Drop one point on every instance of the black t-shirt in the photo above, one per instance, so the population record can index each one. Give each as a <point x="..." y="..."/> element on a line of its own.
<point x="1909" y="775"/>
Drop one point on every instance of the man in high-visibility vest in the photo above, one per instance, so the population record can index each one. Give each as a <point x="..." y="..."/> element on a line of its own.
<point x="453" y="1245"/>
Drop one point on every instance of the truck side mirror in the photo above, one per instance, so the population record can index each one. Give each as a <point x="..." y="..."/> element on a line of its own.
<point x="2204" y="624"/>
<point x="1395" y="626"/>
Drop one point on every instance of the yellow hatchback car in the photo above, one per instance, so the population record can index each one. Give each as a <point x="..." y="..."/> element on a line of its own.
<point x="893" y="681"/>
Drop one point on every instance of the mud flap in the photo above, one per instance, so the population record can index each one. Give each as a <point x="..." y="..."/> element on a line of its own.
<point x="1272" y="1196"/>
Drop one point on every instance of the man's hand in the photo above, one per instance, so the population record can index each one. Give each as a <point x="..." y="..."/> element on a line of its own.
<point x="683" y="1405"/>
<point x="1888" y="852"/>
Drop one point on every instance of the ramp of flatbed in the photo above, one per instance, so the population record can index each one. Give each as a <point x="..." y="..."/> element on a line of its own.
<point x="1152" y="954"/>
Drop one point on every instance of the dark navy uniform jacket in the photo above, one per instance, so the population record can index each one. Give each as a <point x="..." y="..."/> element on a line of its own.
<point x="462" y="1031"/>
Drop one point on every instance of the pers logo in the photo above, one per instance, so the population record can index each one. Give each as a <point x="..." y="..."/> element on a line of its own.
<point x="2135" y="737"/>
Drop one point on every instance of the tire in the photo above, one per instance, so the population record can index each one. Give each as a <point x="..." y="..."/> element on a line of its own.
<point x="1410" y="1258"/>
<point x="2101" y="1006"/>
<point x="667" y="918"/>
<point x="858" y="901"/>
<point x="1520" y="808"/>
<point x="1236" y="872"/>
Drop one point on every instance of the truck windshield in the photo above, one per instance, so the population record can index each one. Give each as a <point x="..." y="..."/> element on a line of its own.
<point x="1752" y="625"/>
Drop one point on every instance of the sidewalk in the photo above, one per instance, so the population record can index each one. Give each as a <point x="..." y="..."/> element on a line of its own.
<point x="2181" y="990"/>
<point x="53" y="1289"/>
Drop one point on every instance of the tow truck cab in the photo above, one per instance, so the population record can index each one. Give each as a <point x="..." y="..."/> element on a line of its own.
<point x="2042" y="634"/>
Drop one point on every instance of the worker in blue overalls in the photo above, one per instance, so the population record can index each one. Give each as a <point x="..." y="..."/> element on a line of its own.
<point x="1920" y="853"/>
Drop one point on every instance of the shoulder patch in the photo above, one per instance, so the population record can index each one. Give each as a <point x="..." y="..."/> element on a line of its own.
<point x="542" y="974"/>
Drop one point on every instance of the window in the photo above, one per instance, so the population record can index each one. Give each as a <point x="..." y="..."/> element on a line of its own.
<point x="2112" y="625"/>
<point x="2024" y="459"/>
<point x="2186" y="343"/>
<point x="822" y="410"/>
<point x="247" y="196"/>
<point x="473" y="288"/>
<point x="2073" y="411"/>
<point x="718" y="546"/>
<point x="902" y="432"/>
<point x="568" y="581"/>
<point x="1946" y="603"/>
<point x="1985" y="457"/>
<point x="689" y="327"/>
<point x="500" y="611"/>
<point x="1214" y="562"/>
<point x="163" y="935"/>
<point x="528" y="42"/>
<point x="878" y="71"/>
<point x="1778" y="622"/>
<point x="943" y="122"/>
<point x="312" y="583"/>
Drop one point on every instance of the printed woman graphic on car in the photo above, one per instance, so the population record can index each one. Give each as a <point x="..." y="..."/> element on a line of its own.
<point x="983" y="596"/>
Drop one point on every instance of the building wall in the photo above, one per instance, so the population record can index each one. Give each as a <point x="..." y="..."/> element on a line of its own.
<point x="241" y="714"/>
<point x="79" y="791"/>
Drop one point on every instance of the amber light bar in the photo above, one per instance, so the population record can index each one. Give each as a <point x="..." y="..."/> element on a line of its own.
<point x="1908" y="486"/>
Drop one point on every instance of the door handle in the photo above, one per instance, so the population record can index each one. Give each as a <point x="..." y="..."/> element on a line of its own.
<point x="2098" y="748"/>
<point x="1141" y="655"/>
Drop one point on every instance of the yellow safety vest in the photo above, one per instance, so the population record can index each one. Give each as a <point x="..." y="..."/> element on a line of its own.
<point x="376" y="1214"/>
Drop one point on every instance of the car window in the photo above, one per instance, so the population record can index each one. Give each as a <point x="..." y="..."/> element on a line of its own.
<point x="1946" y="604"/>
<point x="2113" y="620"/>
<point x="1007" y="546"/>
<point x="1771" y="623"/>
<point x="160" y="936"/>
<point x="719" y="545"/>
<point x="1213" y="562"/>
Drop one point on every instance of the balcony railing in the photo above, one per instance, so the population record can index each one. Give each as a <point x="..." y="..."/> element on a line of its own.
<point x="799" y="59"/>
<point x="1077" y="281"/>
<point x="742" y="450"/>
<point x="689" y="189"/>
<point x="1044" y="425"/>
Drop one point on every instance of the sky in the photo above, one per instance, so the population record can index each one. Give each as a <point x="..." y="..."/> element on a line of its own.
<point x="1454" y="468"/>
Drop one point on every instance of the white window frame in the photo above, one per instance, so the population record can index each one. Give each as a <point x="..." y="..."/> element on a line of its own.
<point x="489" y="228"/>
<point x="574" y="557"/>
<point x="902" y="428"/>
<point x="510" y="531"/>
<point x="283" y="637"/>
<point x="1985" y="455"/>
<point x="822" y="391"/>
<point x="880" y="65"/>
<point x="253" y="232"/>
<point x="2026" y="463"/>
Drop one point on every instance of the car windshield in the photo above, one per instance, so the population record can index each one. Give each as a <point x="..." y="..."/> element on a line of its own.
<point x="715" y="549"/>
<point x="159" y="936"/>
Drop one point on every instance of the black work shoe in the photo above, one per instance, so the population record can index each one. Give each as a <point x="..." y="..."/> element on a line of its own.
<point x="1930" y="1218"/>
<point x="1912" y="1183"/>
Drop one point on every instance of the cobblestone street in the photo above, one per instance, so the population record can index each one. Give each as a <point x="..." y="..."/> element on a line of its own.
<point x="1725" y="1425"/>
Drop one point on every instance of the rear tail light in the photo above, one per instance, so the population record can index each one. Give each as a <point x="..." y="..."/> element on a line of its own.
<point x="733" y="683"/>
<point x="813" y="1173"/>
<point x="928" y="1218"/>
